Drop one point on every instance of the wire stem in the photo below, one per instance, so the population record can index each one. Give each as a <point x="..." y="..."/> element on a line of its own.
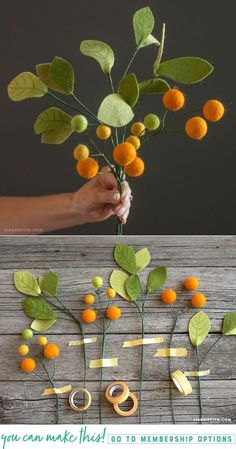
<point x="66" y="103"/>
<point x="57" y="398"/>
<point x="131" y="61"/>
<point x="199" y="387"/>
<point x="85" y="108"/>
<point x="209" y="350"/>
<point x="101" y="373"/>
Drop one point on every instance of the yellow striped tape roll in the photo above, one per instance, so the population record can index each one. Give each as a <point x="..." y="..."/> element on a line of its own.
<point x="181" y="382"/>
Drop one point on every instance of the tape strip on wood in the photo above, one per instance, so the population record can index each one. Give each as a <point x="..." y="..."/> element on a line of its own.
<point x="83" y="341"/>
<point x="197" y="373"/>
<point x="49" y="391"/>
<point x="142" y="341"/>
<point x="171" y="352"/>
<point x="103" y="363"/>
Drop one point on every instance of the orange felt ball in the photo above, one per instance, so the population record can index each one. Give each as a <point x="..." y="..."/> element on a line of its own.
<point x="196" y="128"/>
<point x="168" y="296"/>
<point x="88" y="316"/>
<point x="51" y="351"/>
<point x="113" y="313"/>
<point x="124" y="153"/>
<point x="213" y="110"/>
<point x="28" y="365"/>
<point x="191" y="283"/>
<point x="87" y="168"/>
<point x="136" y="168"/>
<point x="173" y="100"/>
<point x="198" y="300"/>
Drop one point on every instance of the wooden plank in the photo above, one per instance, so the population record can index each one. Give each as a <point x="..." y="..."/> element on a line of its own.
<point x="22" y="403"/>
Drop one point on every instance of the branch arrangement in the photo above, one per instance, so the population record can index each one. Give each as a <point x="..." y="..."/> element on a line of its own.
<point x="117" y="110"/>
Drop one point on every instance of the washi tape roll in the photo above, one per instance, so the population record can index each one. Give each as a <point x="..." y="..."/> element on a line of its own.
<point x="72" y="396"/>
<point x="130" y="412"/>
<point x="181" y="382"/>
<point x="117" y="392"/>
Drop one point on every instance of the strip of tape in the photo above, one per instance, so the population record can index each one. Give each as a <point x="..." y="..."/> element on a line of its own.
<point x="197" y="373"/>
<point x="49" y="391"/>
<point x="103" y="363"/>
<point x="142" y="341"/>
<point x="171" y="352"/>
<point x="83" y="341"/>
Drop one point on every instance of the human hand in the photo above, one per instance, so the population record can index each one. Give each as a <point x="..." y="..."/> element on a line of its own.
<point x="99" y="198"/>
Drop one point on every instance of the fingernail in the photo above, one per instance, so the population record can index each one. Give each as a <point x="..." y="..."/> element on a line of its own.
<point x="121" y="211"/>
<point x="117" y="196"/>
<point x="123" y="220"/>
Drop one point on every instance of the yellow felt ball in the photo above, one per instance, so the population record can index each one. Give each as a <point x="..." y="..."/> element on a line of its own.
<point x="135" y="141"/>
<point x="81" y="152"/>
<point x="110" y="293"/>
<point x="42" y="341"/>
<point x="138" y="129"/>
<point x="23" y="350"/>
<point x="103" y="132"/>
<point x="89" y="299"/>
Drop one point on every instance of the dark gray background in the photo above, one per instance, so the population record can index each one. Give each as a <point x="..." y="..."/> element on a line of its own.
<point x="188" y="187"/>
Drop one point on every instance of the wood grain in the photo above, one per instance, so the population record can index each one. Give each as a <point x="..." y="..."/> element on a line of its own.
<point x="77" y="259"/>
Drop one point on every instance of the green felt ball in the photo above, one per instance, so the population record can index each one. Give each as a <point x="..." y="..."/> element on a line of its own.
<point x="152" y="122"/>
<point x="27" y="334"/>
<point x="97" y="282"/>
<point x="79" y="123"/>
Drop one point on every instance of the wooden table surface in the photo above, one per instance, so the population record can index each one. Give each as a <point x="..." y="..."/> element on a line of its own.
<point x="77" y="259"/>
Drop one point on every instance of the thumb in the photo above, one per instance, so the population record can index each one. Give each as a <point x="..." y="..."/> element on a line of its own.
<point x="109" y="197"/>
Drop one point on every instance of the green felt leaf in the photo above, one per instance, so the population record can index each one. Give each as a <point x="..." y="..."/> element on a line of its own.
<point x="129" y="89"/>
<point x="156" y="279"/>
<point x="26" y="85"/>
<point x="132" y="286"/>
<point x="114" y="111"/>
<point x="25" y="282"/>
<point x="154" y="86"/>
<point x="229" y="324"/>
<point x="38" y="308"/>
<point x="51" y="119"/>
<point x="143" y="23"/>
<point x="50" y="283"/>
<point x="117" y="281"/>
<point x="42" y="325"/>
<point x="150" y="40"/>
<point x="101" y="52"/>
<point x="198" y="328"/>
<point x="62" y="74"/>
<point x="160" y="50"/>
<point x="185" y="70"/>
<point x="43" y="71"/>
<point x="56" y="137"/>
<point x="143" y="258"/>
<point x="124" y="256"/>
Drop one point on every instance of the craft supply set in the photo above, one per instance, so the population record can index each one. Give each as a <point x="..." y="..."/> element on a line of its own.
<point x="116" y="134"/>
<point x="133" y="282"/>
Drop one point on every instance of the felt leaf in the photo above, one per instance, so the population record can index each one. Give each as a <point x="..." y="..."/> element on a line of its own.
<point x="132" y="286"/>
<point x="117" y="281"/>
<point x="124" y="256"/>
<point x="129" y="89"/>
<point x="26" y="85"/>
<point x="38" y="308"/>
<point x="185" y="70"/>
<point x="57" y="136"/>
<point x="62" y="74"/>
<point x="229" y="324"/>
<point x="150" y="40"/>
<point x="25" y="282"/>
<point x="154" y="86"/>
<point x="41" y="325"/>
<point x="143" y="23"/>
<point x="114" y="111"/>
<point x="101" y="52"/>
<point x="160" y="50"/>
<point x="43" y="71"/>
<point x="51" y="119"/>
<point x="50" y="283"/>
<point x="199" y="327"/>
<point x="156" y="279"/>
<point x="143" y="258"/>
